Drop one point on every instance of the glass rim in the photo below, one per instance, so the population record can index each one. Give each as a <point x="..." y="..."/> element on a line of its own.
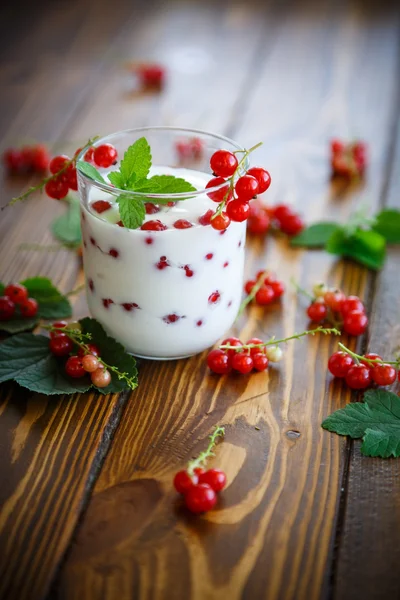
<point x="178" y="196"/>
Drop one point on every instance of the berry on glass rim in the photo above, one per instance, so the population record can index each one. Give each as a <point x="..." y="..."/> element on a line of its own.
<point x="29" y="308"/>
<point x="246" y="187"/>
<point x="16" y="292"/>
<point x="358" y="377"/>
<point x="200" y="498"/>
<point x="383" y="374"/>
<point x="7" y="308"/>
<point x="155" y="225"/>
<point x="74" y="367"/>
<point x="61" y="345"/>
<point x="262" y="176"/>
<point x="218" y="195"/>
<point x="183" y="481"/>
<point x="220" y="222"/>
<point x="218" y="362"/>
<point x="223" y="163"/>
<point x="339" y="364"/>
<point x="238" y="210"/>
<point x="105" y="155"/>
<point x="215" y="478"/>
<point x="57" y="188"/>
<point x="101" y="377"/>
<point x="89" y="155"/>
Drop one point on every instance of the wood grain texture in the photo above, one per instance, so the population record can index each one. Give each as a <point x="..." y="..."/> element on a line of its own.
<point x="323" y="70"/>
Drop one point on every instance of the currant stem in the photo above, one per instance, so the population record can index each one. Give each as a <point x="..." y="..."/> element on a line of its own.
<point x="76" y="291"/>
<point x="201" y="460"/>
<point x="371" y="361"/>
<point x="251" y="296"/>
<point x="275" y="342"/>
<point x="43" y="182"/>
<point x="301" y="290"/>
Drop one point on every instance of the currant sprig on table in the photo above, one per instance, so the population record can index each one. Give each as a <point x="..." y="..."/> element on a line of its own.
<point x="264" y="289"/>
<point x="198" y="485"/>
<point x="359" y="371"/>
<point x="279" y="218"/>
<point x="255" y="354"/>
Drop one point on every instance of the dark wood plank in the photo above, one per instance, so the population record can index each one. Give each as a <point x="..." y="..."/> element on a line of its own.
<point x="273" y="534"/>
<point x="368" y="553"/>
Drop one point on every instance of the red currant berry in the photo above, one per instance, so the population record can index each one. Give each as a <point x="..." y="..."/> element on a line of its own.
<point x="74" y="367"/>
<point x="334" y="299"/>
<point x="155" y="225"/>
<point x="262" y="176"/>
<point x="61" y="345"/>
<point x="351" y="303"/>
<point x="57" y="188"/>
<point x="199" y="470"/>
<point x="29" y="308"/>
<point x="258" y="224"/>
<point x="200" y="498"/>
<point x="242" y="362"/>
<point x="278" y="288"/>
<point x="7" y="308"/>
<point x="40" y="158"/>
<point x="16" y="292"/>
<point x="223" y="163"/>
<point x="246" y="187"/>
<point x="105" y="155"/>
<point x="58" y="325"/>
<point x="265" y="295"/>
<point x="90" y="363"/>
<point x="215" y="478"/>
<point x="260" y="361"/>
<point x="371" y="356"/>
<point x="58" y="163"/>
<point x="232" y="341"/>
<point x="258" y="350"/>
<point x="101" y="206"/>
<point x="358" y="377"/>
<point x="89" y="155"/>
<point x="182" y="224"/>
<point x="220" y="222"/>
<point x="206" y="218"/>
<point x="151" y="76"/>
<point x="249" y="286"/>
<point x="220" y="194"/>
<point x="317" y="312"/>
<point x="355" y="322"/>
<point x="292" y="225"/>
<point x="151" y="209"/>
<point x="183" y="481"/>
<point x="27" y="156"/>
<point x="337" y="146"/>
<point x="340" y="363"/>
<point x="237" y="210"/>
<point x="383" y="374"/>
<point x="13" y="160"/>
<point x="218" y="361"/>
<point x="92" y="349"/>
<point x="282" y="212"/>
<point x="72" y="179"/>
<point x="101" y="378"/>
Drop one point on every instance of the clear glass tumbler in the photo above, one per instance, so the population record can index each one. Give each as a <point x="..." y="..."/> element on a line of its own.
<point x="163" y="294"/>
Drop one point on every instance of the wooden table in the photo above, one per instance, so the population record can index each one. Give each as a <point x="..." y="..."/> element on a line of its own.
<point x="88" y="510"/>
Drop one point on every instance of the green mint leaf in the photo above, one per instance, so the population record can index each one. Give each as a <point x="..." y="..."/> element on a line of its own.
<point x="376" y="420"/>
<point x="26" y="359"/>
<point x="113" y="353"/>
<point x="168" y="184"/>
<point x="136" y="162"/>
<point x="365" y="247"/>
<point x="67" y="228"/>
<point x="52" y="303"/>
<point x="388" y="225"/>
<point x="18" y="324"/>
<point x="315" y="236"/>
<point x="146" y="185"/>
<point x="116" y="179"/>
<point x="132" y="211"/>
<point x="90" y="171"/>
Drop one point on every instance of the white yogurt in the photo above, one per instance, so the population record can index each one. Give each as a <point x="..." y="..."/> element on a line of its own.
<point x="163" y="294"/>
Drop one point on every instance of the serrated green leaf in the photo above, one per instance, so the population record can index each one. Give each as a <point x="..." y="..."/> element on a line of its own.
<point x="365" y="247"/>
<point x="132" y="211"/>
<point x="388" y="225"/>
<point x="168" y="184"/>
<point x="136" y="162"/>
<point x="26" y="359"/>
<point x="146" y="185"/>
<point x="113" y="353"/>
<point x="67" y="227"/>
<point x="90" y="171"/>
<point x="116" y="179"/>
<point x="17" y="325"/>
<point x="317" y="235"/>
<point x="52" y="304"/>
<point x="376" y="420"/>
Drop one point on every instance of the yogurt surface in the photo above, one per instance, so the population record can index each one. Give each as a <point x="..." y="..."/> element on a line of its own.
<point x="163" y="294"/>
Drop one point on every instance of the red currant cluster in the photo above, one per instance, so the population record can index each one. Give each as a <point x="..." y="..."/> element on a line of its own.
<point x="16" y="295"/>
<point x="233" y="197"/>
<point x="360" y="371"/>
<point x="191" y="149"/>
<point x="243" y="358"/>
<point x="331" y="305"/>
<point x="64" y="173"/>
<point x="265" y="289"/>
<point x="280" y="218"/>
<point x="87" y="359"/>
<point x="198" y="486"/>
<point x="348" y="160"/>
<point x="27" y="159"/>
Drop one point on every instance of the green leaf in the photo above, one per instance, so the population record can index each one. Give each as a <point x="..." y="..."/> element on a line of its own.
<point x="132" y="211"/>
<point x="26" y="359"/>
<point x="52" y="304"/>
<point x="168" y="184"/>
<point x="136" y="162"/>
<point x="365" y="247"/>
<point x="388" y="225"/>
<point x="315" y="236"/>
<point x="113" y="353"/>
<point x="90" y="171"/>
<point x="18" y="324"/>
<point x="146" y="185"/>
<point x="116" y="179"/>
<point x="67" y="228"/>
<point x="376" y="421"/>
